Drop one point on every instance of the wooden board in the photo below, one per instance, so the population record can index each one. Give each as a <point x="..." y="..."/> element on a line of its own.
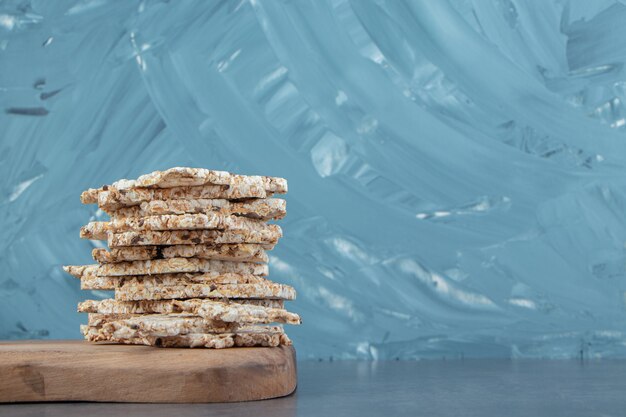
<point x="69" y="370"/>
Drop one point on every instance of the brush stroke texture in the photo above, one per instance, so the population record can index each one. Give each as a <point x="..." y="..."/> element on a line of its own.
<point x="456" y="168"/>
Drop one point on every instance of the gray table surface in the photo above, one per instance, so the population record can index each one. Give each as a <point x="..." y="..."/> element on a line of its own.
<point x="399" y="388"/>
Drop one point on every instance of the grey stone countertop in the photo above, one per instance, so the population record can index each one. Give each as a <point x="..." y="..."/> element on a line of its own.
<point x="477" y="387"/>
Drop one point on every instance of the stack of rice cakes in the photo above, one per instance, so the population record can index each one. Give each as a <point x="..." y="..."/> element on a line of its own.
<point x="187" y="261"/>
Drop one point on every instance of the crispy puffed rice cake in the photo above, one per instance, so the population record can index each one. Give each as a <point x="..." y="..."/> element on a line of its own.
<point x="168" y="325"/>
<point x="200" y="307"/>
<point x="208" y="309"/>
<point x="111" y="199"/>
<point x="95" y="282"/>
<point x="241" y="313"/>
<point x="172" y="325"/>
<point x="129" y="253"/>
<point x="210" y="221"/>
<point x="114" y="199"/>
<point x="207" y="340"/>
<point x="262" y="209"/>
<point x="167" y="266"/>
<point x="239" y="252"/>
<point x="131" y="292"/>
<point x="188" y="177"/>
<point x="97" y="319"/>
<point x="267" y="238"/>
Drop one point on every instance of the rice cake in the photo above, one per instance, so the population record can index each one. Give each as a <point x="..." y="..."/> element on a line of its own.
<point x="207" y="340"/>
<point x="267" y="238"/>
<point x="240" y="252"/>
<point x="110" y="306"/>
<point x="163" y="325"/>
<point x="97" y="320"/>
<point x="209" y="309"/>
<point x="242" y="313"/>
<point x="113" y="199"/>
<point x="168" y="325"/>
<point x="130" y="253"/>
<point x="183" y="176"/>
<point x="167" y="266"/>
<point x="94" y="282"/>
<point x="128" y="292"/>
<point x="188" y="177"/>
<point x="262" y="209"/>
<point x="211" y="221"/>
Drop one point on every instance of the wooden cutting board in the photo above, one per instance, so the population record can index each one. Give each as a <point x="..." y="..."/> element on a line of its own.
<point x="72" y="370"/>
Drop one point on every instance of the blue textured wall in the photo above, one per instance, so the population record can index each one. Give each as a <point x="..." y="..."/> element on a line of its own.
<point x="456" y="169"/>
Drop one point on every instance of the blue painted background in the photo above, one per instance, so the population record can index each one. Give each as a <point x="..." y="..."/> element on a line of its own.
<point x="456" y="169"/>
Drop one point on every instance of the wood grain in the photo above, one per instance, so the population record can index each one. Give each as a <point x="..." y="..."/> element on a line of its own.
<point x="69" y="370"/>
